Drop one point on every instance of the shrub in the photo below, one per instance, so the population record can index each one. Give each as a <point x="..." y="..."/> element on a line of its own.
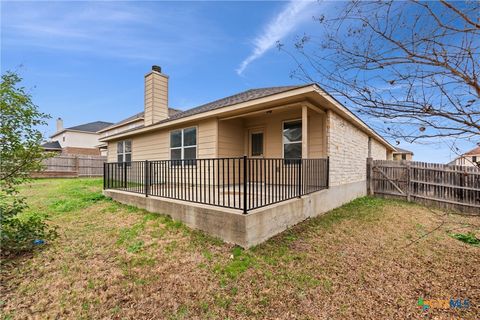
<point x="20" y="155"/>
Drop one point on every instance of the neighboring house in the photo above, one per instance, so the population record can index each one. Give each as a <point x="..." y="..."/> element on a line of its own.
<point x="470" y="158"/>
<point x="81" y="139"/>
<point x="402" y="154"/>
<point x="301" y="145"/>
<point x="53" y="146"/>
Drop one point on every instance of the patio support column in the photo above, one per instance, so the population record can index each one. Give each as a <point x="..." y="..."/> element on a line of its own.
<point x="304" y="131"/>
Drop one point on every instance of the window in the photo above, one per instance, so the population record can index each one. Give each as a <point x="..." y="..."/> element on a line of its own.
<point x="124" y="151"/>
<point x="256" y="144"/>
<point x="292" y="139"/>
<point x="404" y="156"/>
<point x="183" y="145"/>
<point x="474" y="159"/>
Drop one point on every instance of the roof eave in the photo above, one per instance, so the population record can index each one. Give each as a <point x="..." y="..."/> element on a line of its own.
<point x="119" y="125"/>
<point x="340" y="107"/>
<point x="296" y="91"/>
<point x="207" y="114"/>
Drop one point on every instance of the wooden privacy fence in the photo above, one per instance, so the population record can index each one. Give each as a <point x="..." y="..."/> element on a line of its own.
<point x="445" y="186"/>
<point x="64" y="166"/>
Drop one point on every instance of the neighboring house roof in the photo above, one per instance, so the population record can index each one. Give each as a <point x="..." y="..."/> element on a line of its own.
<point x="53" y="145"/>
<point x="248" y="97"/>
<point x="473" y="152"/>
<point x="91" y="127"/>
<point x="400" y="150"/>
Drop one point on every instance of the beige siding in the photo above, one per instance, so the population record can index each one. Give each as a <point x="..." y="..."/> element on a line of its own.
<point x="273" y="127"/>
<point x="156" y="145"/>
<point x="230" y="138"/>
<point x="207" y="138"/>
<point x="112" y="151"/>
<point x="156" y="98"/>
<point x="316" y="135"/>
<point x="398" y="156"/>
<point x="379" y="152"/>
<point x="77" y="139"/>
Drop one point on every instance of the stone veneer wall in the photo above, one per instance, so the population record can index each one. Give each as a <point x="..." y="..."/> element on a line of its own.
<point x="348" y="150"/>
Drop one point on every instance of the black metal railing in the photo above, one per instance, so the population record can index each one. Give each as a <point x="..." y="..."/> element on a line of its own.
<point x="239" y="183"/>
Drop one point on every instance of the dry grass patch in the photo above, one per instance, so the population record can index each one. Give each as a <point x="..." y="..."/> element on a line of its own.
<point x="370" y="259"/>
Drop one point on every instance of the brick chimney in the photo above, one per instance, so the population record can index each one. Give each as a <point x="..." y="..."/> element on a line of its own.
<point x="59" y="124"/>
<point x="156" y="96"/>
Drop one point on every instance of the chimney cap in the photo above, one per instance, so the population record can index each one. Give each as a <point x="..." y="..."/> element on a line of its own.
<point x="156" y="68"/>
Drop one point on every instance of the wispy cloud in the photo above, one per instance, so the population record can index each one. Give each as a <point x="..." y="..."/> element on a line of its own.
<point x="293" y="14"/>
<point x="118" y="30"/>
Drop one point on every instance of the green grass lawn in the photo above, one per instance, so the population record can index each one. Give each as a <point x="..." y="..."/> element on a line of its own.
<point x="370" y="259"/>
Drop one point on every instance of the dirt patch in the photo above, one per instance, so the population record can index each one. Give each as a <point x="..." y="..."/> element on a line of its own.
<point x="372" y="259"/>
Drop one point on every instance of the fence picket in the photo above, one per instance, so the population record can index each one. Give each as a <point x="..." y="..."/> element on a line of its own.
<point x="448" y="187"/>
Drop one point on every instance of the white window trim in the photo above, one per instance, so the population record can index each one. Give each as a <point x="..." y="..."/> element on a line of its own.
<point x="123" y="153"/>
<point x="182" y="147"/>
<point x="288" y="142"/>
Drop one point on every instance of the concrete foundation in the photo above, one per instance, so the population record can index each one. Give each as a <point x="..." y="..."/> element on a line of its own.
<point x="250" y="229"/>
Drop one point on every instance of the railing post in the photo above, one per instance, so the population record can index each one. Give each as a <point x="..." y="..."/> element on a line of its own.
<point x="300" y="178"/>
<point x="104" y="175"/>
<point x="328" y="172"/>
<point x="245" y="181"/>
<point x="146" y="176"/>
<point x="124" y="164"/>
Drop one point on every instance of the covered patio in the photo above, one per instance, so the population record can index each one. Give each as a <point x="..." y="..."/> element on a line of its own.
<point x="240" y="183"/>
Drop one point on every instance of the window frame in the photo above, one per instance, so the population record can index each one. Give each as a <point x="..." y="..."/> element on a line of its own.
<point x="183" y="147"/>
<point x="124" y="153"/>
<point x="251" y="132"/>
<point x="296" y="142"/>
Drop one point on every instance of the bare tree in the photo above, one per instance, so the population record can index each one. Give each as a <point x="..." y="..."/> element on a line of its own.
<point x="413" y="65"/>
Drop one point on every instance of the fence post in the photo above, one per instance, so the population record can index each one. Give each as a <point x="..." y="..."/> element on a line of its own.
<point x="300" y="178"/>
<point x="77" y="166"/>
<point x="407" y="191"/>
<point x="245" y="181"/>
<point x="146" y="176"/>
<point x="370" y="176"/>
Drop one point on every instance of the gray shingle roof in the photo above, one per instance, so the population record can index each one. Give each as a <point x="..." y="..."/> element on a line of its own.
<point x="233" y="99"/>
<point x="217" y="104"/>
<point x="91" y="126"/>
<point x="400" y="150"/>
<point x="52" y="145"/>
<point x="140" y="115"/>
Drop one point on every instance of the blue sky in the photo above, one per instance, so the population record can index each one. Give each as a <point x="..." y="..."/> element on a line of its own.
<point x="85" y="61"/>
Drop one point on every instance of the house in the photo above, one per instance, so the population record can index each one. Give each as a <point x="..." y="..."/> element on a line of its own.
<point x="244" y="167"/>
<point x="402" y="154"/>
<point x="470" y="158"/>
<point x="78" y="140"/>
<point x="132" y="122"/>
